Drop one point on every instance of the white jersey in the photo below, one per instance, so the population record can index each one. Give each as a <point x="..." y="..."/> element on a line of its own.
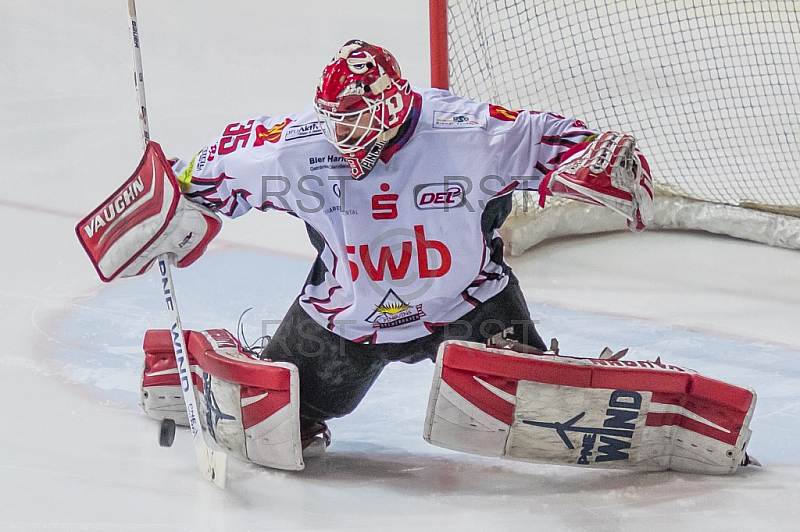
<point x="411" y="246"/>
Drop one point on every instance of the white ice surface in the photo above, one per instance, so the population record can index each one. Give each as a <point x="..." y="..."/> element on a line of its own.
<point x="76" y="453"/>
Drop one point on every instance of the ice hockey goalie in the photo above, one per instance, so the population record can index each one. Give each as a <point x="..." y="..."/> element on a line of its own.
<point x="602" y="413"/>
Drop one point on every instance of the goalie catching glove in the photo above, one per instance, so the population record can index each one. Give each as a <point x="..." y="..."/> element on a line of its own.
<point x="610" y="172"/>
<point x="146" y="217"/>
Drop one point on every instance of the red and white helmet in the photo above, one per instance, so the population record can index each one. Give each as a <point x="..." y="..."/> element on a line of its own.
<point x="362" y="101"/>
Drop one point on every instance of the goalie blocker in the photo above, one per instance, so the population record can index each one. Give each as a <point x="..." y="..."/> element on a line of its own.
<point x="145" y="217"/>
<point x="599" y="413"/>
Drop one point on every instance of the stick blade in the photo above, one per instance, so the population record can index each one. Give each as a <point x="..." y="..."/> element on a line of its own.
<point x="213" y="465"/>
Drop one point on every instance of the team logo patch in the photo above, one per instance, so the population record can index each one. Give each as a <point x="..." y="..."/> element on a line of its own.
<point x="439" y="196"/>
<point x="272" y="134"/>
<point x="445" y="120"/>
<point x="301" y="131"/>
<point x="393" y="311"/>
<point x="501" y="113"/>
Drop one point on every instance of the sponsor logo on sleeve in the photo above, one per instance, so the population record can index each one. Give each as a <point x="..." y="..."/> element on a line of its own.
<point x="446" y="120"/>
<point x="301" y="131"/>
<point x="202" y="159"/>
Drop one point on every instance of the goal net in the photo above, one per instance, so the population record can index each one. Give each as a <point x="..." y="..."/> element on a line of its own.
<point x="709" y="88"/>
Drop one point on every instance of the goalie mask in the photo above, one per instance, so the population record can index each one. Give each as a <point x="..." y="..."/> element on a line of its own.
<point x="362" y="101"/>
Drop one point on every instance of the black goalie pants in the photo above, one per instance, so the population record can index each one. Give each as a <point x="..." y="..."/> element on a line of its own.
<point x="336" y="373"/>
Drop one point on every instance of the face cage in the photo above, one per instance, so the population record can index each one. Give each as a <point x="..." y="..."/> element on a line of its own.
<point x="359" y="136"/>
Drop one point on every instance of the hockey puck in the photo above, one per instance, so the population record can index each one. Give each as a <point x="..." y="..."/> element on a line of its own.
<point x="166" y="434"/>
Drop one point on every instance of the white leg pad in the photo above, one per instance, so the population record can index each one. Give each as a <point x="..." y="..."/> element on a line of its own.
<point x="586" y="412"/>
<point x="247" y="407"/>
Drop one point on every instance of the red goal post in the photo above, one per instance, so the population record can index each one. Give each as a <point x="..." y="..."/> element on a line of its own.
<point x="710" y="89"/>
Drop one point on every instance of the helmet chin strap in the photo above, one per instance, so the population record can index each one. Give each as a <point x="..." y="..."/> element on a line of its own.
<point x="360" y="168"/>
<point x="389" y="135"/>
<point x="368" y="162"/>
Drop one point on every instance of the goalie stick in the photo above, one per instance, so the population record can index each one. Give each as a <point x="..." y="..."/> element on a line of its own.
<point x="212" y="464"/>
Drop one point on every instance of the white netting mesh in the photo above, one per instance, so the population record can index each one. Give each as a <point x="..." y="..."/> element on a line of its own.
<point x="710" y="89"/>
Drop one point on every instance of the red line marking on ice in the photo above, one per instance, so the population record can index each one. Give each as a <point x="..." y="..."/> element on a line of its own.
<point x="220" y="244"/>
<point x="29" y="207"/>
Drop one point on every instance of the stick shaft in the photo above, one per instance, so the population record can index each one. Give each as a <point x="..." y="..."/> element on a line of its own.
<point x="138" y="74"/>
<point x="179" y="346"/>
<point x="212" y="464"/>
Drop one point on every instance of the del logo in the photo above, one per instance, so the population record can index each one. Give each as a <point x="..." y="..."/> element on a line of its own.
<point x="439" y="196"/>
<point x="445" y="120"/>
<point x="393" y="311"/>
<point x="300" y="131"/>
<point x="608" y="443"/>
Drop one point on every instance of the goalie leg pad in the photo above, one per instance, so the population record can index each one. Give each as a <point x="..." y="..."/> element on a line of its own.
<point x="586" y="412"/>
<point x="160" y="391"/>
<point x="246" y="407"/>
